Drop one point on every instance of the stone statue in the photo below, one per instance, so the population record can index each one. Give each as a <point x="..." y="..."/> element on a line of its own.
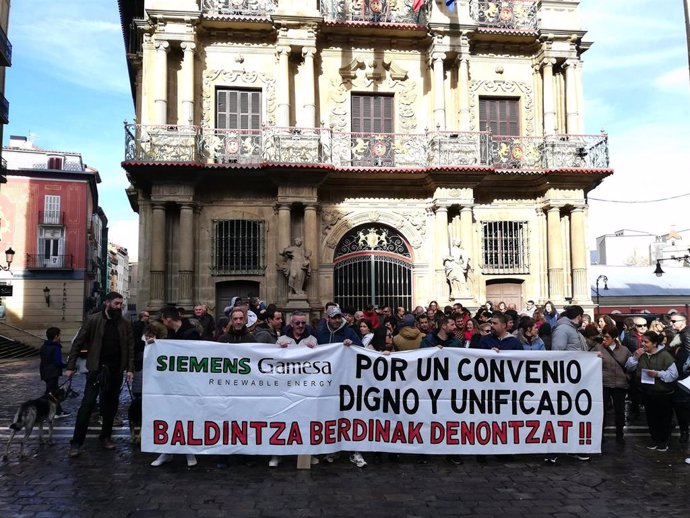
<point x="456" y="267"/>
<point x="296" y="266"/>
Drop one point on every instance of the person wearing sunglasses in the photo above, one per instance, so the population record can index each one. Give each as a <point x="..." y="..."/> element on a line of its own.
<point x="633" y="341"/>
<point x="298" y="332"/>
<point x="679" y="323"/>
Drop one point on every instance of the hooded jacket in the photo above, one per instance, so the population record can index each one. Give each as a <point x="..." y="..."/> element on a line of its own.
<point x="51" y="360"/>
<point x="325" y="335"/>
<point x="530" y="344"/>
<point x="408" y="338"/>
<point x="566" y="337"/>
<point x="243" y="336"/>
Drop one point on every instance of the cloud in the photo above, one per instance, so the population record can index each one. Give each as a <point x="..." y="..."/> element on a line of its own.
<point x="675" y="80"/>
<point x="125" y="232"/>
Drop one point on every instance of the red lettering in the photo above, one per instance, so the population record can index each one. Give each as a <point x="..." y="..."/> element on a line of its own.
<point x="359" y="430"/>
<point x="515" y="426"/>
<point x="239" y="433"/>
<point x="160" y="432"/>
<point x="500" y="433"/>
<point x="414" y="433"/>
<point x="534" y="426"/>
<point x="565" y="427"/>
<point x="549" y="433"/>
<point x="329" y="432"/>
<point x="226" y="433"/>
<point x="483" y="433"/>
<point x="211" y="433"/>
<point x="343" y="429"/>
<point x="191" y="441"/>
<point x="398" y="433"/>
<point x="452" y="433"/>
<point x="467" y="433"/>
<point x="315" y="433"/>
<point x="436" y="432"/>
<point x="295" y="435"/>
<point x="258" y="427"/>
<point x="275" y="439"/>
<point x="178" y="434"/>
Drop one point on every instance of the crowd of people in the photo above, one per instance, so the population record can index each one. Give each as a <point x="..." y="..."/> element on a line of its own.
<point x="641" y="361"/>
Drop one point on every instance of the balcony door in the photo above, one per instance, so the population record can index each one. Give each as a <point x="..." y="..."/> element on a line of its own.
<point x="238" y="126"/>
<point x="51" y="246"/>
<point x="372" y="127"/>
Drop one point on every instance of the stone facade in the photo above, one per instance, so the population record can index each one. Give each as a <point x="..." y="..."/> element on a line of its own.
<point x="433" y="169"/>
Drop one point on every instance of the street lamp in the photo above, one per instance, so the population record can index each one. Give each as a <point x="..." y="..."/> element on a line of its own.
<point x="659" y="272"/>
<point x="606" y="287"/>
<point x="9" y="257"/>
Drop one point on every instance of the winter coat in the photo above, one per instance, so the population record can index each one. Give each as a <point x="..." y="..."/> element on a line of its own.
<point x="408" y="338"/>
<point x="566" y="337"/>
<point x="613" y="374"/>
<point x="90" y="337"/>
<point x="325" y="335"/>
<point x="51" y="360"/>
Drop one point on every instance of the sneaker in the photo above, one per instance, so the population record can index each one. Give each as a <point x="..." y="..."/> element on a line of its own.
<point x="549" y="460"/>
<point x="273" y="463"/>
<point x="662" y="447"/>
<point x="314" y="460"/>
<point x="107" y="444"/>
<point x="62" y="414"/>
<point x="162" y="459"/>
<point x="191" y="460"/>
<point x="652" y="446"/>
<point x="330" y="458"/>
<point x="357" y="459"/>
<point x="74" y="451"/>
<point x="687" y="461"/>
<point x="580" y="456"/>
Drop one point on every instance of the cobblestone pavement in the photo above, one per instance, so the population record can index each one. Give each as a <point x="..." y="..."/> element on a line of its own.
<point x="625" y="481"/>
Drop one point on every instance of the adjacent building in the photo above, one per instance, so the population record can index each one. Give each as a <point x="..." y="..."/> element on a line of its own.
<point x="359" y="151"/>
<point x="5" y="61"/>
<point x="49" y="215"/>
<point x="118" y="271"/>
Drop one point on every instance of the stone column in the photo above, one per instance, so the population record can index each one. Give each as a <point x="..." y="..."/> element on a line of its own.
<point x="549" y="105"/>
<point x="161" y="81"/>
<point x="311" y="243"/>
<point x="578" y="253"/>
<point x="283" y="86"/>
<point x="148" y="71"/>
<point x="466" y="234"/>
<point x="570" y="67"/>
<point x="555" y="244"/>
<point x="309" y="106"/>
<point x="186" y="85"/>
<point x="439" y="92"/>
<point x="284" y="223"/>
<point x="441" y="250"/>
<point x="157" y="292"/>
<point x="464" y="89"/>
<point x="186" y="251"/>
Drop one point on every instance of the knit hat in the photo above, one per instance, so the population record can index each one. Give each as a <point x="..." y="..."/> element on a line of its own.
<point x="406" y="321"/>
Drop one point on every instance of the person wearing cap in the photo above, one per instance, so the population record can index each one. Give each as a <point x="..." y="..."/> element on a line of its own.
<point x="408" y="337"/>
<point x="236" y="331"/>
<point x="336" y="329"/>
<point x="565" y="336"/>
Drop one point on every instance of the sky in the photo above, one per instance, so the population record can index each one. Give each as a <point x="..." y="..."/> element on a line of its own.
<point x="69" y="90"/>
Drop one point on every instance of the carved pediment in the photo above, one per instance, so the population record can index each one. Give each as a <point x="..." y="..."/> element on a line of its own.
<point x="397" y="73"/>
<point x="349" y="71"/>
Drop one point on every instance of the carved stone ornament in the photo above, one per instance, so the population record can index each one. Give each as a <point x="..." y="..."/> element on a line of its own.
<point x="500" y="88"/>
<point x="241" y="78"/>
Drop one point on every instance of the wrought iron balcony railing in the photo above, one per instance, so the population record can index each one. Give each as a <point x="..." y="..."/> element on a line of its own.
<point x="53" y="262"/>
<point x="505" y="14"/>
<point x="235" y="8"/>
<point x="51" y="217"/>
<point x="5" y="49"/>
<point x="192" y="144"/>
<point x="4" y="110"/>
<point x="373" y="11"/>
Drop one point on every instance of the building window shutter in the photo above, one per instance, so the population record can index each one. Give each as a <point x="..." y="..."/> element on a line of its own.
<point x="238" y="109"/>
<point x="500" y="116"/>
<point x="372" y="113"/>
<point x="51" y="210"/>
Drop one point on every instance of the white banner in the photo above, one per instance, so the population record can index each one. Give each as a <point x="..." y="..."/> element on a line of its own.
<point x="211" y="398"/>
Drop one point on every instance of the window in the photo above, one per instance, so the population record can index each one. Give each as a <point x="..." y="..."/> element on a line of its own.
<point x="51" y="210"/>
<point x="500" y="116"/>
<point x="372" y="118"/>
<point x="51" y="245"/>
<point x="55" y="162"/>
<point x="238" y="126"/>
<point x="504" y="247"/>
<point x="239" y="247"/>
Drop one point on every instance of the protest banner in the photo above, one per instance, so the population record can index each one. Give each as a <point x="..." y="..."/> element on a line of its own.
<point x="210" y="398"/>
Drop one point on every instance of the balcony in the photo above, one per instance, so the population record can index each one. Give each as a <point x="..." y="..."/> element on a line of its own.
<point x="238" y="8"/>
<point x="513" y="15"/>
<point x="323" y="146"/>
<point x="5" y="50"/>
<point x="4" y="110"/>
<point x="373" y="11"/>
<point x="54" y="262"/>
<point x="51" y="217"/>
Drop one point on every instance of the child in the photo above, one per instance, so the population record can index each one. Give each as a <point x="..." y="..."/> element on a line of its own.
<point x="51" y="365"/>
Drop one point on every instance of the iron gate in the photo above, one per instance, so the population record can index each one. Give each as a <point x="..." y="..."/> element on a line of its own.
<point x="373" y="265"/>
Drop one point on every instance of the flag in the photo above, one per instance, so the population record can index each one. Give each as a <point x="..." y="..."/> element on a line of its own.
<point x="417" y="5"/>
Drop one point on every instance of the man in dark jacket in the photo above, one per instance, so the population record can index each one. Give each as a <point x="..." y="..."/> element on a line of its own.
<point x="500" y="339"/>
<point x="178" y="328"/>
<point x="444" y="336"/>
<point x="205" y="320"/>
<point x="269" y="331"/>
<point x="110" y="344"/>
<point x="236" y="331"/>
<point x="336" y="329"/>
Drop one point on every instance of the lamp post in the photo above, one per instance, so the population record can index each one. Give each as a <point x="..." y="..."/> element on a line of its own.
<point x="9" y="257"/>
<point x="606" y="287"/>
<point x="659" y="272"/>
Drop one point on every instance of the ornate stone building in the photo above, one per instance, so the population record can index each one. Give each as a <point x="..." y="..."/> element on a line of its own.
<point x="422" y="155"/>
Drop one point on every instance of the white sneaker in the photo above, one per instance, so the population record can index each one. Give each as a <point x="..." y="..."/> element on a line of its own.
<point x="191" y="460"/>
<point x="357" y="459"/>
<point x="162" y="459"/>
<point x="273" y="463"/>
<point x="687" y="461"/>
<point x="314" y="460"/>
<point x="330" y="458"/>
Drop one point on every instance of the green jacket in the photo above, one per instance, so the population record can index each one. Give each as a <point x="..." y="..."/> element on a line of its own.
<point x="659" y="361"/>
